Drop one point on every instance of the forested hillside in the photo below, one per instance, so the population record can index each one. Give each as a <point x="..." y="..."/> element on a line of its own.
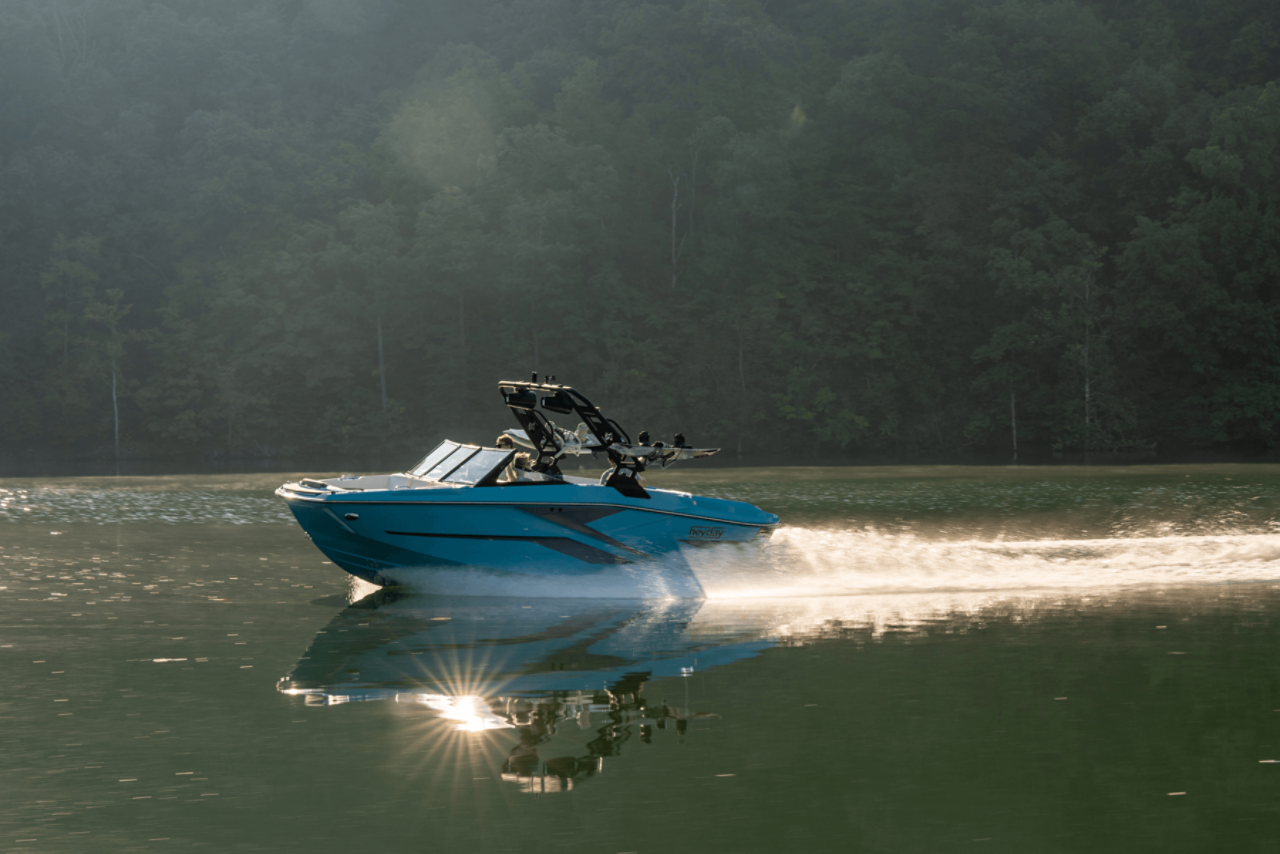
<point x="850" y="227"/>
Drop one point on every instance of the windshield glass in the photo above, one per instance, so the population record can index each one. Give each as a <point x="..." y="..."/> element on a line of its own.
<point x="475" y="469"/>
<point x="449" y="463"/>
<point x="432" y="459"/>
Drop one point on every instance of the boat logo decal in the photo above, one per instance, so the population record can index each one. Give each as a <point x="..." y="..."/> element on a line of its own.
<point x="697" y="533"/>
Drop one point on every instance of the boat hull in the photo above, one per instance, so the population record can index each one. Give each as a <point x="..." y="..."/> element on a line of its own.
<point x="550" y="539"/>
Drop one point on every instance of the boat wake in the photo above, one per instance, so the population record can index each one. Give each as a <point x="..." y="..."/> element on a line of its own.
<point x="804" y="562"/>
<point x="809" y="562"/>
<point x="665" y="578"/>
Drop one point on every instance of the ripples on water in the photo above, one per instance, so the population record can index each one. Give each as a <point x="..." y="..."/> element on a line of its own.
<point x="1053" y="507"/>
<point x="1050" y="505"/>
<point x="110" y="506"/>
<point x="851" y="536"/>
<point x="1022" y="662"/>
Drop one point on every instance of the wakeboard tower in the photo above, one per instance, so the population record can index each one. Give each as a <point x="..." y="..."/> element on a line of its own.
<point x="595" y="433"/>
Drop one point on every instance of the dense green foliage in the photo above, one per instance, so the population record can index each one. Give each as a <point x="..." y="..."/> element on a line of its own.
<point x="246" y="227"/>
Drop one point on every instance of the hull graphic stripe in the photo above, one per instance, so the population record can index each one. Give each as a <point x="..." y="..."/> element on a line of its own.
<point x="563" y="545"/>
<point x="578" y="519"/>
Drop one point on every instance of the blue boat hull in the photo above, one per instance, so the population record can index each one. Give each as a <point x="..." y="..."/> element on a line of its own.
<point x="553" y="539"/>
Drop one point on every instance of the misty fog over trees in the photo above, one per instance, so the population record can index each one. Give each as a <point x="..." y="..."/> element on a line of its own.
<point x="838" y="227"/>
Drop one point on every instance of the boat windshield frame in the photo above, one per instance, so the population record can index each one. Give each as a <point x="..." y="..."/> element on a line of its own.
<point x="458" y="464"/>
<point x="481" y="468"/>
<point x="431" y="460"/>
<point x="445" y="467"/>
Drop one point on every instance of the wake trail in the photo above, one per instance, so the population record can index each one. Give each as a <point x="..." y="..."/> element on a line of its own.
<point x="801" y="562"/>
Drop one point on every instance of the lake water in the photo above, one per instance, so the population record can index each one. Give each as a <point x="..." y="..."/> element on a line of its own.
<point x="921" y="659"/>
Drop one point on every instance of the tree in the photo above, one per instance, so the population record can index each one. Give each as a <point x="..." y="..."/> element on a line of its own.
<point x="105" y="311"/>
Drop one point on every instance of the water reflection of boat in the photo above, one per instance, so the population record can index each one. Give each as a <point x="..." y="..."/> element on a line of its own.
<point x="517" y="517"/>
<point x="549" y="672"/>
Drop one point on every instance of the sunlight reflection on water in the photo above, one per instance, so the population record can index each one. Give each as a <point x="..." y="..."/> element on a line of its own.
<point x="173" y="675"/>
<point x="106" y="506"/>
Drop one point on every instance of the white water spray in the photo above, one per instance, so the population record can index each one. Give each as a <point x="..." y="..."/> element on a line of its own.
<point x="802" y="562"/>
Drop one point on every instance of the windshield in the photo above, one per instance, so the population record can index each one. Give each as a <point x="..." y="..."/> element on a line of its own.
<point x="449" y="463"/>
<point x="480" y="466"/>
<point x="433" y="459"/>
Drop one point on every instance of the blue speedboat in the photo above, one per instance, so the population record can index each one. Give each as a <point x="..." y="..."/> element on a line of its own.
<point x="472" y="520"/>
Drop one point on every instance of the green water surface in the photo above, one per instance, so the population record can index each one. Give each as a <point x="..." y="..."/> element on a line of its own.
<point x="1076" y="660"/>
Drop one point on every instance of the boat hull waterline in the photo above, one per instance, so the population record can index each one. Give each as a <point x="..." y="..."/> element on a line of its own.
<point x="538" y="539"/>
